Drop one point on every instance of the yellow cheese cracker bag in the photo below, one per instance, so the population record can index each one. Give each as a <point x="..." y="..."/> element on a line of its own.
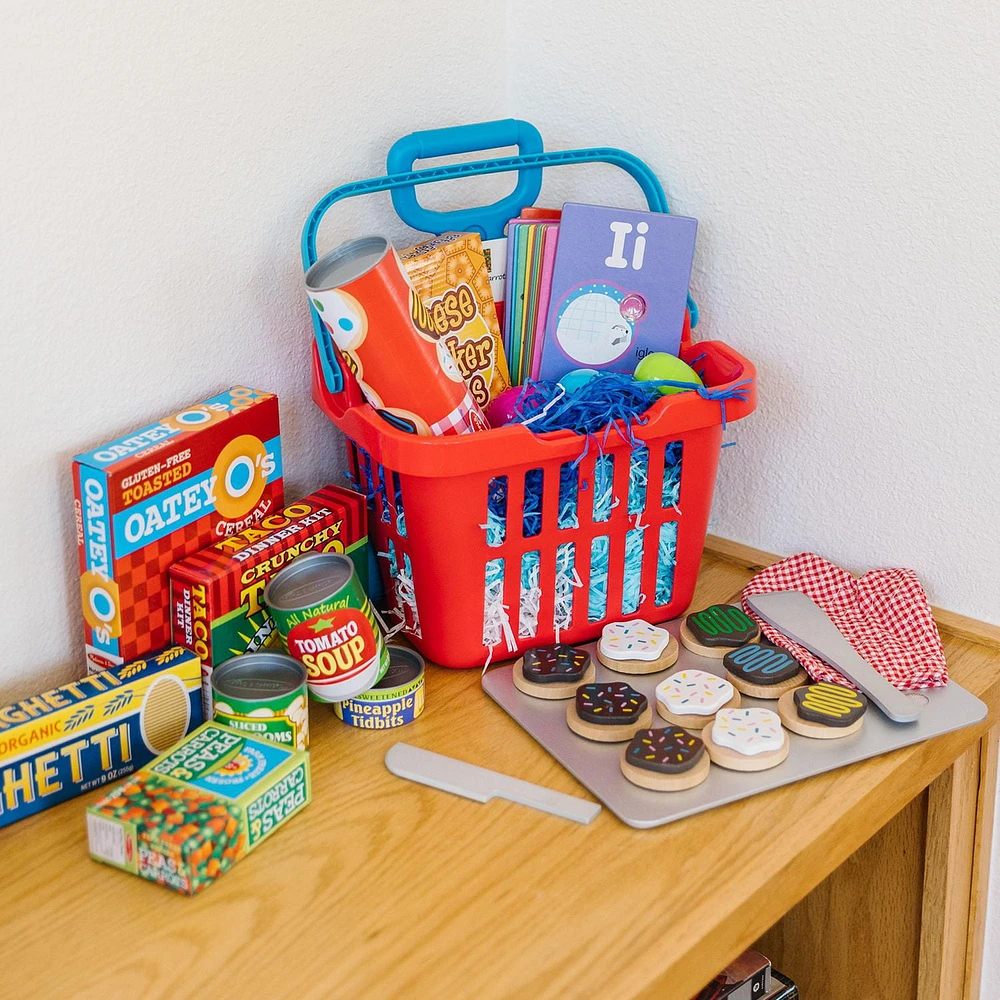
<point x="449" y="273"/>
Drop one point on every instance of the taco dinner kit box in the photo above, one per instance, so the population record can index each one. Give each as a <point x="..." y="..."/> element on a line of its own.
<point x="88" y="732"/>
<point x="159" y="494"/>
<point x="189" y="816"/>
<point x="215" y="594"/>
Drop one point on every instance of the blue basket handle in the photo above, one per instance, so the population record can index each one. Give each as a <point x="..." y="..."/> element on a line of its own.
<point x="489" y="220"/>
<point x="632" y="165"/>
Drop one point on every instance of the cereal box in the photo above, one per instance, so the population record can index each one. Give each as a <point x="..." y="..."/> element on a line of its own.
<point x="215" y="595"/>
<point x="162" y="493"/>
<point x="450" y="274"/>
<point x="86" y="733"/>
<point x="190" y="815"/>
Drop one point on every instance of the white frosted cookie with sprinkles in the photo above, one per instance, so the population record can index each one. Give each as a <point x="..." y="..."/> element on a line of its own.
<point x="690" y="698"/>
<point x="636" y="647"/>
<point x="746" y="739"/>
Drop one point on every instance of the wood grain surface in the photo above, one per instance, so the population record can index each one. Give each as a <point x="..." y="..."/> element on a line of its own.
<point x="986" y="818"/>
<point x="856" y="936"/>
<point x="948" y="856"/>
<point x="384" y="888"/>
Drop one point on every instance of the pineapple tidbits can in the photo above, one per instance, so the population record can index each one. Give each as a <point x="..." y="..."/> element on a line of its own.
<point x="326" y="620"/>
<point x="263" y="694"/>
<point x="389" y="341"/>
<point x="396" y="700"/>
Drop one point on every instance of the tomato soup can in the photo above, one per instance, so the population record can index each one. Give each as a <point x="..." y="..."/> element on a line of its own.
<point x="263" y="694"/>
<point x="388" y="340"/>
<point x="395" y="700"/>
<point x="326" y="621"/>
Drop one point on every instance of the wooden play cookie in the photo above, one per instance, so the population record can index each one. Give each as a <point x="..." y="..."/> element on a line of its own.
<point x="553" y="672"/>
<point x="690" y="698"/>
<point x="763" y="671"/>
<point x="823" y="711"/>
<point x="665" y="760"/>
<point x="718" y="629"/>
<point x="608" y="713"/>
<point x="746" y="739"/>
<point x="636" y="647"/>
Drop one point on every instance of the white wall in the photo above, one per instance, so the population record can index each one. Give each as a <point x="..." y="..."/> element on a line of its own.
<point x="159" y="160"/>
<point x="841" y="160"/>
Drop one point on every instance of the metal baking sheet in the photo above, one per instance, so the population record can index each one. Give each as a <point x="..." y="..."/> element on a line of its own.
<point x="596" y="765"/>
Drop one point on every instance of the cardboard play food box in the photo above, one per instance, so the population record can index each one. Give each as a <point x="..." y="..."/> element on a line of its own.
<point x="194" y="812"/>
<point x="89" y="732"/>
<point x="449" y="273"/>
<point x="215" y="594"/>
<point x="162" y="493"/>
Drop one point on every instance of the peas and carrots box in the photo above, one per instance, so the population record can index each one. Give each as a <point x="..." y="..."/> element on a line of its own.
<point x="187" y="817"/>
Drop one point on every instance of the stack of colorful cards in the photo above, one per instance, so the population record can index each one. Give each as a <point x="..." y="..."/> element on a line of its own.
<point x="531" y="251"/>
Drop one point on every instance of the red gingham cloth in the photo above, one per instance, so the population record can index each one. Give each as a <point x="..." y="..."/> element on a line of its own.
<point x="884" y="615"/>
<point x="464" y="419"/>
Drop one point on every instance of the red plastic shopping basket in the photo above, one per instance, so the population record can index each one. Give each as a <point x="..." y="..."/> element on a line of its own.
<point x="429" y="496"/>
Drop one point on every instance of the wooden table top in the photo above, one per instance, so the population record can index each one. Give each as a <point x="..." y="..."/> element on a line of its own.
<point x="386" y="888"/>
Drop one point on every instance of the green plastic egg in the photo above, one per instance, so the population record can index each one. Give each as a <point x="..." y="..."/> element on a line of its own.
<point x="658" y="365"/>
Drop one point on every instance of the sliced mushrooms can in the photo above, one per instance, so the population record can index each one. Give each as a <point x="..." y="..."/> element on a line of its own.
<point x="263" y="694"/>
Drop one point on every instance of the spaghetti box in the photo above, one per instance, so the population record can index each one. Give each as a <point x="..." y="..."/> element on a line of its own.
<point x="158" y="495"/>
<point x="215" y="594"/>
<point x="86" y="733"/>
<point x="194" y="812"/>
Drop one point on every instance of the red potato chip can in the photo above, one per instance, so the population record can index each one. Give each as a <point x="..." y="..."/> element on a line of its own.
<point x="389" y="342"/>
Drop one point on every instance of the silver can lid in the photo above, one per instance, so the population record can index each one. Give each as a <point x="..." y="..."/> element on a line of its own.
<point x="258" y="676"/>
<point x="307" y="580"/>
<point x="349" y="261"/>
<point x="405" y="665"/>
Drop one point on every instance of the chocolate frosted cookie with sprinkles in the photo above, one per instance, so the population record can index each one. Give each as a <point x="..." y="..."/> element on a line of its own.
<point x="690" y="698"/>
<point x="608" y="713"/>
<point x="553" y="672"/>
<point x="761" y="670"/>
<point x="823" y="711"/>
<point x="718" y="629"/>
<point x="665" y="760"/>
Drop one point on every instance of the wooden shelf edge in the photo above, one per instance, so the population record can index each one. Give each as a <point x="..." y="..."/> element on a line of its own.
<point x="924" y="763"/>
<point x="961" y="626"/>
<point x="985" y="832"/>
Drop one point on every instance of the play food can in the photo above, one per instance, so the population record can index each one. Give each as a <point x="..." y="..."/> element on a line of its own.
<point x="395" y="700"/>
<point x="327" y="622"/>
<point x="388" y="340"/>
<point x="263" y="694"/>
